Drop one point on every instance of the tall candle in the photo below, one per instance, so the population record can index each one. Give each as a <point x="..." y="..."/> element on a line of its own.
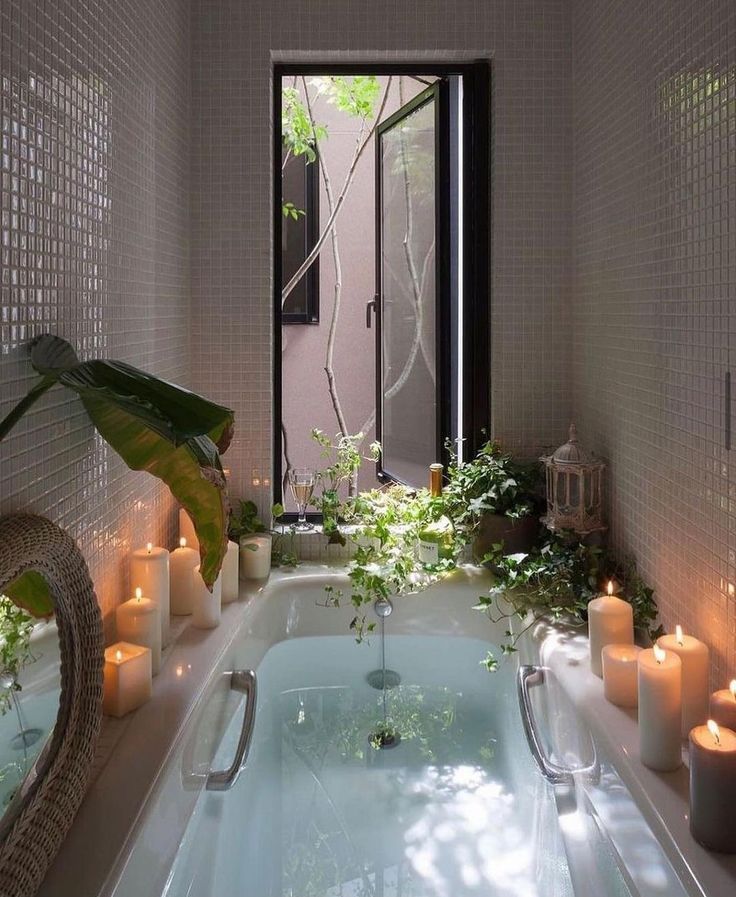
<point x="149" y="569"/>
<point x="127" y="680"/>
<point x="713" y="787"/>
<point x="620" y="674"/>
<point x="660" y="708"/>
<point x="695" y="669"/>
<point x="207" y="605"/>
<point x="610" y="622"/>
<point x="186" y="529"/>
<point x="183" y="590"/>
<point x="230" y="567"/>
<point x="723" y="706"/>
<point x="139" y="621"/>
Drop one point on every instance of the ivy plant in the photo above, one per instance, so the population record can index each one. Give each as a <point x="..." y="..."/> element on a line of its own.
<point x="15" y="648"/>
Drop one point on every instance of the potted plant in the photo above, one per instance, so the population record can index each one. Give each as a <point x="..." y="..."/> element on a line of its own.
<point x="493" y="500"/>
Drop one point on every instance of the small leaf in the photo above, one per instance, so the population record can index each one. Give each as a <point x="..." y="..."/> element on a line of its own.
<point x="31" y="592"/>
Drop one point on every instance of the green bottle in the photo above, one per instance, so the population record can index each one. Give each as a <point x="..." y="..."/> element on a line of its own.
<point x="435" y="539"/>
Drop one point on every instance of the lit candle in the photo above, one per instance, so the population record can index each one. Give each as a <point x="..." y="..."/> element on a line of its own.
<point x="723" y="706"/>
<point x="149" y="568"/>
<point x="610" y="622"/>
<point x="620" y="674"/>
<point x="695" y="670"/>
<point x="207" y="605"/>
<point x="139" y="621"/>
<point x="230" y="573"/>
<point x="182" y="563"/>
<point x="127" y="681"/>
<point x="186" y="529"/>
<point x="660" y="708"/>
<point x="713" y="786"/>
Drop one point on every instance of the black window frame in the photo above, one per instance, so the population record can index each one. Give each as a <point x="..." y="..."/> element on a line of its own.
<point x="310" y="315"/>
<point x="477" y="114"/>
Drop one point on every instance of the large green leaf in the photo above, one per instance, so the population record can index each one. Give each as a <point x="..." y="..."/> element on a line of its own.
<point x="156" y="426"/>
<point x="31" y="592"/>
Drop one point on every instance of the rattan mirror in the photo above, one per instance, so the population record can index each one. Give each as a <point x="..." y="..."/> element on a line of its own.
<point x="42" y="807"/>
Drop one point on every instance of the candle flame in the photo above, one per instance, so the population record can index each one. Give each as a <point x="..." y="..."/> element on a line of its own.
<point x="610" y="587"/>
<point x="659" y="654"/>
<point x="180" y="671"/>
<point x="678" y="634"/>
<point x="139" y="594"/>
<point x="118" y="655"/>
<point x="149" y="547"/>
<point x="182" y="542"/>
<point x="714" y="730"/>
<point x="732" y="688"/>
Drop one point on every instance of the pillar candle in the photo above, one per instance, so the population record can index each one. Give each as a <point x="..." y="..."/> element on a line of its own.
<point x="127" y="681"/>
<point x="230" y="566"/>
<point x="610" y="622"/>
<point x="713" y="787"/>
<point x="660" y="708"/>
<point x="207" y="605"/>
<point x="620" y="674"/>
<point x="186" y="529"/>
<point x="149" y="569"/>
<point x="255" y="556"/>
<point x="695" y="670"/>
<point x="183" y="588"/>
<point x="139" y="621"/>
<point x="723" y="706"/>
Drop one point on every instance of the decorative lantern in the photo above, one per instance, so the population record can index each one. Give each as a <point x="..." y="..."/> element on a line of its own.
<point x="574" y="489"/>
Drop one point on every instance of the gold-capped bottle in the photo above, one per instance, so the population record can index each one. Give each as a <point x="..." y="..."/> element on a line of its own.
<point x="435" y="539"/>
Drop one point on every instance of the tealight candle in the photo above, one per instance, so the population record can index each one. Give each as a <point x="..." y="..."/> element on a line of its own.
<point x="149" y="568"/>
<point x="713" y="786"/>
<point x="127" y="680"/>
<point x="207" y="605"/>
<point x="620" y="674"/>
<point x="186" y="529"/>
<point x="139" y="621"/>
<point x="230" y="567"/>
<point x="183" y="588"/>
<point x="660" y="708"/>
<point x="695" y="670"/>
<point x="610" y="622"/>
<point x="723" y="706"/>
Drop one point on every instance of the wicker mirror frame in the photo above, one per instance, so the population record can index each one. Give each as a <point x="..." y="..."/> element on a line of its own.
<point x="42" y="810"/>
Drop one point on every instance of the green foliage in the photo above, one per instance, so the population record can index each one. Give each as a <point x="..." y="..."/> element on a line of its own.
<point x="355" y="95"/>
<point x="15" y="640"/>
<point x="299" y="136"/>
<point x="289" y="210"/>
<point x="30" y="591"/>
<point x="174" y="434"/>
<point x="244" y="521"/>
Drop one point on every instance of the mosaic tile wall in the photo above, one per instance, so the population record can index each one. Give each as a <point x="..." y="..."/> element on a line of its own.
<point x="95" y="247"/>
<point x="654" y="311"/>
<point x="234" y="44"/>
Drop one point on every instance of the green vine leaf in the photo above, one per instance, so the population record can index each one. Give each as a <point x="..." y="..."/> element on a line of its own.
<point x="30" y="591"/>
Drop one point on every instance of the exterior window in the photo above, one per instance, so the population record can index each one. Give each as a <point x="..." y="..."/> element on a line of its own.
<point x="299" y="232"/>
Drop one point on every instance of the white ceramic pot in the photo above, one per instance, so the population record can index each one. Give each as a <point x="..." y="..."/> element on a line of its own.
<point x="255" y="556"/>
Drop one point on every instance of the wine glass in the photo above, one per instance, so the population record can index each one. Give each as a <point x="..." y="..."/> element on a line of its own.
<point x="302" y="480"/>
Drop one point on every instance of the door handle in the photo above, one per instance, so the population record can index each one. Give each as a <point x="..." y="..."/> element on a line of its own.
<point x="370" y="308"/>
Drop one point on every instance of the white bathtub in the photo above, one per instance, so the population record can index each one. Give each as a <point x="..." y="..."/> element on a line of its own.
<point x="148" y="825"/>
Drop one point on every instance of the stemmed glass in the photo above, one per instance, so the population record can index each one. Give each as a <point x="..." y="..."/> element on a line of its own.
<point x="302" y="480"/>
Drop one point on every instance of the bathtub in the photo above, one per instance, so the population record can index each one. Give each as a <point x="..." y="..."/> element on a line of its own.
<point x="460" y="806"/>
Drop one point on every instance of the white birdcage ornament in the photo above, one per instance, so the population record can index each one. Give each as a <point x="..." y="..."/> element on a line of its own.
<point x="574" y="488"/>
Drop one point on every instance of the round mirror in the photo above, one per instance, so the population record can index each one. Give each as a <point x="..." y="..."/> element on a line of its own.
<point x="51" y="662"/>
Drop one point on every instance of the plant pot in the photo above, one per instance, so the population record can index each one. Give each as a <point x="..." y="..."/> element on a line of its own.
<point x="255" y="556"/>
<point x="518" y="534"/>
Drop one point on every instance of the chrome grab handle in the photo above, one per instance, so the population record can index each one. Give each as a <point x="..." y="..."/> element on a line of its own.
<point x="528" y="676"/>
<point x="223" y="779"/>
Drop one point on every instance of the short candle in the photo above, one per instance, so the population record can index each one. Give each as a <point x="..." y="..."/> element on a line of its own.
<point x="138" y="621"/>
<point x="127" y="678"/>
<point x="713" y="786"/>
<point x="723" y="706"/>
<point x="620" y="674"/>
<point x="695" y="659"/>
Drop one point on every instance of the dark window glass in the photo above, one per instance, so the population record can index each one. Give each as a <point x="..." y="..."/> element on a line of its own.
<point x="298" y="236"/>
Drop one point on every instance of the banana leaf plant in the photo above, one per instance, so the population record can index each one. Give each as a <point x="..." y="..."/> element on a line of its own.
<point x="153" y="425"/>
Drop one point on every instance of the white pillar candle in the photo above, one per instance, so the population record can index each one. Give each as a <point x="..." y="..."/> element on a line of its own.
<point x="139" y="621"/>
<point x="660" y="709"/>
<point x="255" y="556"/>
<point x="182" y="562"/>
<point x="695" y="671"/>
<point x="127" y="682"/>
<point x="713" y="787"/>
<point x="186" y="529"/>
<point x="149" y="569"/>
<point x="620" y="674"/>
<point x="723" y="706"/>
<point x="230" y="565"/>
<point x="610" y="622"/>
<point x="207" y="605"/>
